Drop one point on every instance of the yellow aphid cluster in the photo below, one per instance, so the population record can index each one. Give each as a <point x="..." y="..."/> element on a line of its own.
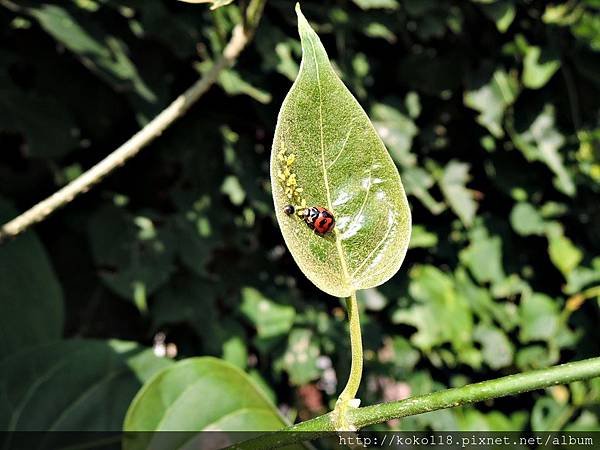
<point x="288" y="180"/>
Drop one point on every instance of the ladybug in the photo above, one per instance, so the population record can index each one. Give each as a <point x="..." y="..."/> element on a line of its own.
<point x="319" y="219"/>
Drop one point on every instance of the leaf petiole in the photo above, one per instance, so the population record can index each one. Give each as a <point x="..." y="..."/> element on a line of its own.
<point x="347" y="397"/>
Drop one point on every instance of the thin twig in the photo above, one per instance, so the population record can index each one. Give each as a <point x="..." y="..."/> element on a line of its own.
<point x="239" y="39"/>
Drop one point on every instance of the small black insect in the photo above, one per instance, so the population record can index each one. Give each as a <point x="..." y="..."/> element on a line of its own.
<point x="289" y="209"/>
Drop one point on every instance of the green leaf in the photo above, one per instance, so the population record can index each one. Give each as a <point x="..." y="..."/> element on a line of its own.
<point x="460" y="199"/>
<point x="99" y="51"/>
<point x="542" y="142"/>
<point x="538" y="67"/>
<point x="270" y="318"/>
<point x="397" y="131"/>
<point x="491" y="97"/>
<point x="563" y="253"/>
<point x="73" y="385"/>
<point x="233" y="83"/>
<point x="581" y="277"/>
<point x="31" y="298"/>
<point x="134" y="257"/>
<point x="502" y="12"/>
<point x="342" y="165"/>
<point x="48" y="138"/>
<point x="483" y="256"/>
<point x="539" y="318"/>
<point x="526" y="220"/>
<point x="418" y="182"/>
<point x="535" y="357"/>
<point x="214" y="3"/>
<point x="420" y="237"/>
<point x="300" y="358"/>
<point x="377" y="4"/>
<point x="497" y="349"/>
<point x="372" y="299"/>
<point x="436" y="297"/>
<point x="547" y="413"/>
<point x="198" y="394"/>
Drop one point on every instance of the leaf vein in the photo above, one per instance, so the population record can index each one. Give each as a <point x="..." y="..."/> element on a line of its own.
<point x="391" y="225"/>
<point x="362" y="206"/>
<point x="344" y="144"/>
<point x="338" y="242"/>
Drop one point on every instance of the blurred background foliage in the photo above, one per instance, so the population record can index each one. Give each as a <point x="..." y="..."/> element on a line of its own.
<point x="491" y="110"/>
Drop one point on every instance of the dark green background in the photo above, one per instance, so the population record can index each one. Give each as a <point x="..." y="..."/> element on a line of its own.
<point x="490" y="109"/>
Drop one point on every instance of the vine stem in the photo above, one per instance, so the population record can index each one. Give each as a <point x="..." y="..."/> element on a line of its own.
<point x="471" y="393"/>
<point x="242" y="34"/>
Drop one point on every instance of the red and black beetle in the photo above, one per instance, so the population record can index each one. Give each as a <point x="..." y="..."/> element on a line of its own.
<point x="317" y="218"/>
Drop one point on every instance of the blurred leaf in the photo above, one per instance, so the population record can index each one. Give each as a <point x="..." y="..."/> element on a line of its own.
<point x="130" y="253"/>
<point x="277" y="50"/>
<point x="372" y="299"/>
<point x="587" y="421"/>
<point x="483" y="256"/>
<point x="538" y="67"/>
<point x="404" y="356"/>
<point x="472" y="419"/>
<point x="270" y="318"/>
<point x="542" y="142"/>
<point x="420" y="237"/>
<point x="235" y="352"/>
<point x="535" y="357"/>
<point x="377" y="4"/>
<point x="587" y="29"/>
<point x="51" y="138"/>
<point x="526" y="220"/>
<point x="234" y="84"/>
<point x="483" y="305"/>
<point x="397" y="131"/>
<point x="300" y="358"/>
<point x="195" y="240"/>
<point x="562" y="14"/>
<point x="580" y="277"/>
<point x="418" y="182"/>
<point x="460" y="199"/>
<point x="502" y="12"/>
<point x="565" y="256"/>
<point x="191" y="300"/>
<point x="106" y="55"/>
<point x="31" y="306"/>
<point x="539" y="318"/>
<point x="497" y="350"/>
<point x="547" y="414"/>
<point x="73" y="385"/>
<point x="436" y="297"/>
<point x="197" y="394"/>
<point x="341" y="164"/>
<point x="214" y="3"/>
<point x="491" y="97"/>
<point x="233" y="189"/>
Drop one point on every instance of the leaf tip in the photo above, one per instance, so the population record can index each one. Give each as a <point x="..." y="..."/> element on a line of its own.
<point x="302" y="22"/>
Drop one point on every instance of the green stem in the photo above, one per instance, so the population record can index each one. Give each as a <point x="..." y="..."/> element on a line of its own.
<point x="486" y="390"/>
<point x="356" y="367"/>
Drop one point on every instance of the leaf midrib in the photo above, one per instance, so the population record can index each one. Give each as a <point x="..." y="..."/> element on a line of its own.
<point x="338" y="242"/>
